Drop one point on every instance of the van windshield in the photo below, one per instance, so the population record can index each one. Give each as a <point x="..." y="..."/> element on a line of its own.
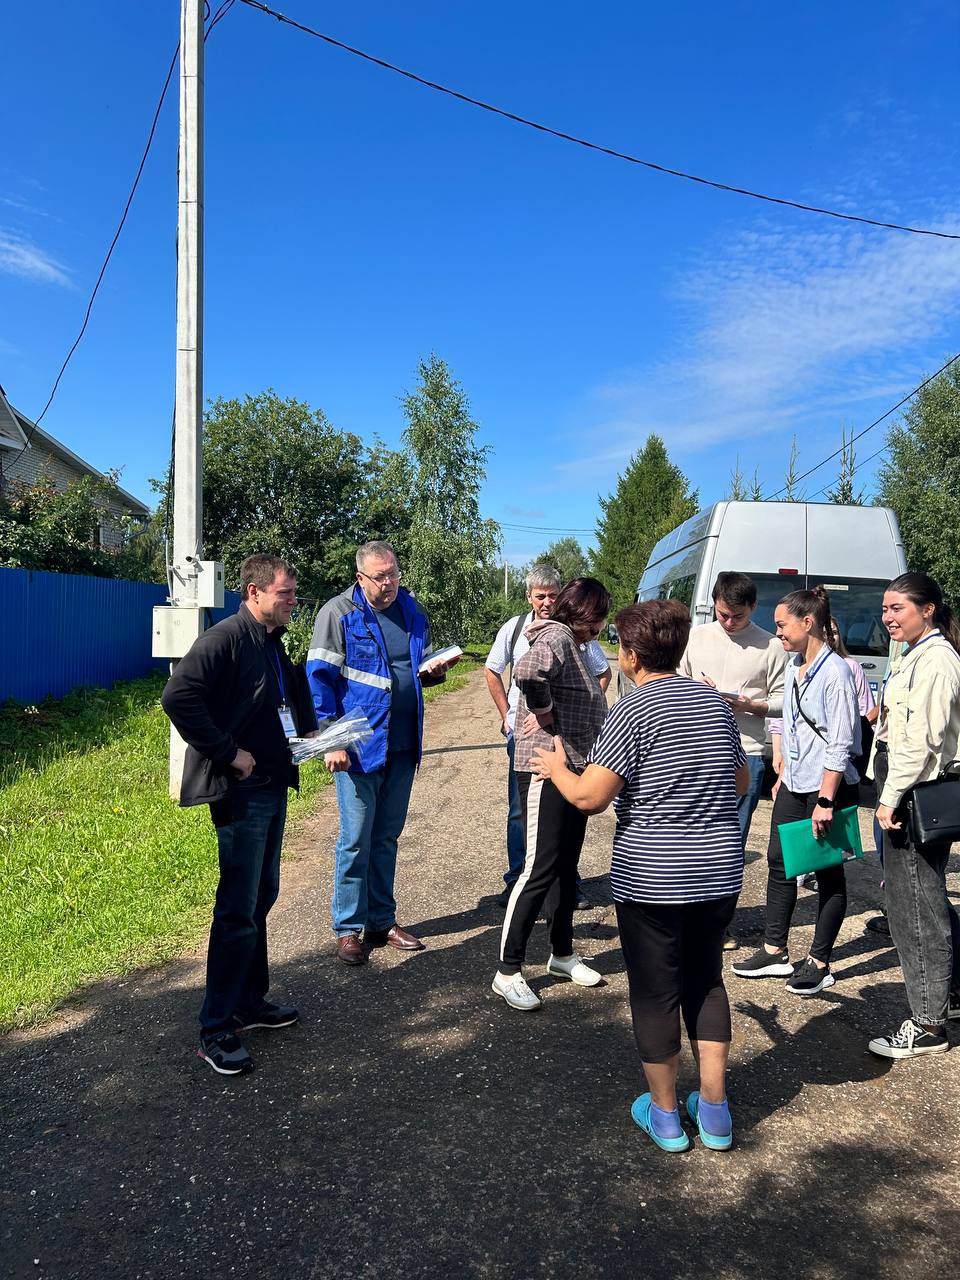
<point x="855" y="603"/>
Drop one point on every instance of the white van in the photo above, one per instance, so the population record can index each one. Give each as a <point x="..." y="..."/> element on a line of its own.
<point x="853" y="552"/>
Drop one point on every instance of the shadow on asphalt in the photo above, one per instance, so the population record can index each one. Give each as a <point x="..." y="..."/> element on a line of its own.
<point x="414" y="1125"/>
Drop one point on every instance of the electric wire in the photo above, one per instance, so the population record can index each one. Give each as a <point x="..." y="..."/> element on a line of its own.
<point x="594" y="146"/>
<point x="860" y="434"/>
<point x="221" y="13"/>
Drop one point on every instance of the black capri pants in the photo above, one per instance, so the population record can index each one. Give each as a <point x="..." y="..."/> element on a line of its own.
<point x="673" y="954"/>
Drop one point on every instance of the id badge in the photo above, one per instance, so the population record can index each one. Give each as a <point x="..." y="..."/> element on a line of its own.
<point x="793" y="746"/>
<point x="286" y="720"/>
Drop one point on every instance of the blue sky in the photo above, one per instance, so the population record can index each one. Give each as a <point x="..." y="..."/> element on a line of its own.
<point x="355" y="222"/>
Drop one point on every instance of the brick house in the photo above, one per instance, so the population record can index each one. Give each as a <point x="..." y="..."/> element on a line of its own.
<point x="27" y="453"/>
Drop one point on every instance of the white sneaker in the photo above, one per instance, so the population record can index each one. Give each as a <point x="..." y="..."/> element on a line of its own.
<point x="572" y="967"/>
<point x="515" y="991"/>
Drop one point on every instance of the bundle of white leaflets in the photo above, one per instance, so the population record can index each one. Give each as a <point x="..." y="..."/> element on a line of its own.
<point x="337" y="736"/>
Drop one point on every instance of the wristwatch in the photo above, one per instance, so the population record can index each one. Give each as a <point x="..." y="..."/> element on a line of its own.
<point x="824" y="802"/>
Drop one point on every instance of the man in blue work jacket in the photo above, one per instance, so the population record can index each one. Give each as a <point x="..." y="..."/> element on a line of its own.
<point x="370" y="652"/>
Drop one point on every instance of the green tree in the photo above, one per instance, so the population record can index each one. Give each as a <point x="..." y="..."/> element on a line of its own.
<point x="277" y="477"/>
<point x="921" y="481"/>
<point x="567" y="557"/>
<point x="845" y="490"/>
<point x="651" y="498"/>
<point x="739" y="491"/>
<point x="450" y="548"/>
<point x="58" y="530"/>
<point x="755" y="493"/>
<point x="791" y="492"/>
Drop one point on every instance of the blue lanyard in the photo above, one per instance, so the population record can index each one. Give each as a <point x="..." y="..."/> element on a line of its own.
<point x="276" y="663"/>
<point x="807" y="681"/>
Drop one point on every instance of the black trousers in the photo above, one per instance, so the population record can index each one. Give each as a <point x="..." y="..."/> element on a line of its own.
<point x="791" y="806"/>
<point x="554" y="837"/>
<point x="674" y="959"/>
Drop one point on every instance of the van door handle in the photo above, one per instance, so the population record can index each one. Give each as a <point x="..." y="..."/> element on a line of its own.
<point x="869" y="666"/>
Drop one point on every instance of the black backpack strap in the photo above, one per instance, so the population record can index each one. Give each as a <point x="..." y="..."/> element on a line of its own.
<point x="513" y="641"/>
<point x="805" y="717"/>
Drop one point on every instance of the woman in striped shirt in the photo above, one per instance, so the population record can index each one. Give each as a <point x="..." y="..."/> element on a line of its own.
<point x="669" y="757"/>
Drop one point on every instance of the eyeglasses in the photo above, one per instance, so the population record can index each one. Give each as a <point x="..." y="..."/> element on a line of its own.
<point x="381" y="579"/>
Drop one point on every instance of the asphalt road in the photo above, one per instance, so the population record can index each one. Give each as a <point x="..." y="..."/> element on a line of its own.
<point x="413" y="1125"/>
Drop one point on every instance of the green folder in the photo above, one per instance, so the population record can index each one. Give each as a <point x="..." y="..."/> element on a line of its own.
<point x="802" y="852"/>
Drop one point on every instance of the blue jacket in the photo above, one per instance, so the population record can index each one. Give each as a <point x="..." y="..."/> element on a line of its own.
<point x="348" y="669"/>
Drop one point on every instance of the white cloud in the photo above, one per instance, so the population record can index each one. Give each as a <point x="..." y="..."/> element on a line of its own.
<point x="783" y="333"/>
<point x="19" y="256"/>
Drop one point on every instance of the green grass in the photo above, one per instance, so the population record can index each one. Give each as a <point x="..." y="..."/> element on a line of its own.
<point x="101" y="872"/>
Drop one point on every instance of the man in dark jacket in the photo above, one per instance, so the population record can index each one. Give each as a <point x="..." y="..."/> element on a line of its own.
<point x="235" y="699"/>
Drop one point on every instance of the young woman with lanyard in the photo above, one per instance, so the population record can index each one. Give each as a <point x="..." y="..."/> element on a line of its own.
<point x="820" y="732"/>
<point x="920" y="709"/>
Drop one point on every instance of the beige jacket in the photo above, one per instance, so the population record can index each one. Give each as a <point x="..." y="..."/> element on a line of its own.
<point x="751" y="661"/>
<point x="920" y="708"/>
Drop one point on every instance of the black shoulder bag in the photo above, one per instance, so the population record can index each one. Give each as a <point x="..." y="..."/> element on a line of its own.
<point x="932" y="809"/>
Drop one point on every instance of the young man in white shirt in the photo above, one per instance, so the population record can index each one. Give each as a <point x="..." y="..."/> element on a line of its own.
<point x="543" y="586"/>
<point x="746" y="664"/>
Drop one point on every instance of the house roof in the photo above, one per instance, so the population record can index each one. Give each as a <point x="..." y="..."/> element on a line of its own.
<point x="18" y="432"/>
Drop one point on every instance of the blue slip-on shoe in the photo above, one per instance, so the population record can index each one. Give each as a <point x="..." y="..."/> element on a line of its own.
<point x="715" y="1141"/>
<point x="640" y="1111"/>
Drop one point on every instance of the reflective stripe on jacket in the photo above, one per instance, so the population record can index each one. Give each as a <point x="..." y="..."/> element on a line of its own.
<point x="348" y="668"/>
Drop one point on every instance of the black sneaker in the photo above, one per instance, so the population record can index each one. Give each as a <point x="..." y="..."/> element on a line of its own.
<point x="268" y="1015"/>
<point x="503" y="898"/>
<point x="808" y="978"/>
<point x="729" y="943"/>
<point x="582" y="902"/>
<point x="764" y="965"/>
<point x="225" y="1054"/>
<point x="879" y="924"/>
<point x="953" y="1004"/>
<point x="909" y="1042"/>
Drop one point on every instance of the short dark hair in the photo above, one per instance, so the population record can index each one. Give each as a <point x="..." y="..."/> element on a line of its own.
<point x="735" y="589"/>
<point x="656" y="631"/>
<point x="260" y="570"/>
<point x="581" y="601"/>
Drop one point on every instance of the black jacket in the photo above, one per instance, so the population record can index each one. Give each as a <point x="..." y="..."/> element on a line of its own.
<point x="223" y="696"/>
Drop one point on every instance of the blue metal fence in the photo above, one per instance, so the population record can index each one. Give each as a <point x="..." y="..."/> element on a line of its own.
<point x="61" y="630"/>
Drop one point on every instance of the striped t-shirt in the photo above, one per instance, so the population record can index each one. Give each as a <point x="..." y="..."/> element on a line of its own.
<point x="676" y="745"/>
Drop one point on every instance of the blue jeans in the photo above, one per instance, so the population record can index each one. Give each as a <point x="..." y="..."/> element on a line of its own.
<point x="747" y="803"/>
<point x="516" y="844"/>
<point x="249" y="824"/>
<point x="373" y="809"/>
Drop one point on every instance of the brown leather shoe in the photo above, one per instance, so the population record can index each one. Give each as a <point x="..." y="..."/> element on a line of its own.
<point x="350" y="949"/>
<point x="393" y="937"/>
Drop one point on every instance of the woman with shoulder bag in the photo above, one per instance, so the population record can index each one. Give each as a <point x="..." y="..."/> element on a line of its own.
<point x="820" y="735"/>
<point x="920" y="708"/>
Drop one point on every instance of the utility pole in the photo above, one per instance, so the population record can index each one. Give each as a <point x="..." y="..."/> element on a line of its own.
<point x="188" y="419"/>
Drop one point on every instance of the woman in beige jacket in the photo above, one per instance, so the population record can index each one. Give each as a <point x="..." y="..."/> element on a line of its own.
<point x="920" y="708"/>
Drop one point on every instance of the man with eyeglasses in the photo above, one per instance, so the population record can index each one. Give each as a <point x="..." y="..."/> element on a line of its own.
<point x="370" y="652"/>
<point x="235" y="698"/>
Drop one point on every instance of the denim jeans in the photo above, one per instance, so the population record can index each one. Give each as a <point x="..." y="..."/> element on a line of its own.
<point x="747" y="803"/>
<point x="515" y="840"/>
<point x="249" y="824"/>
<point x="373" y="809"/>
<point x="923" y="924"/>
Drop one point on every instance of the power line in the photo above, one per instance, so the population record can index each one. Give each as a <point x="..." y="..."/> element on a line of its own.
<point x="221" y="13"/>
<point x="593" y="146"/>
<point x="860" y="434"/>
<point x="541" y="528"/>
